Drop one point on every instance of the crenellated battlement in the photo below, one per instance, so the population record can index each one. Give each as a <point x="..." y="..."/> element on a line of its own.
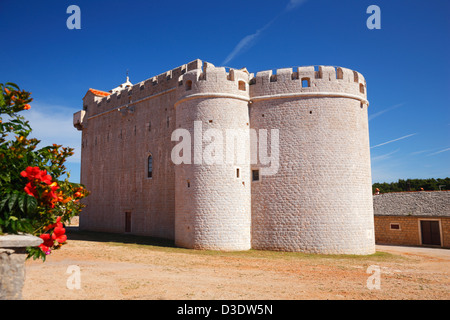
<point x="202" y="79"/>
<point x="153" y="86"/>
<point x="308" y="80"/>
<point x="212" y="81"/>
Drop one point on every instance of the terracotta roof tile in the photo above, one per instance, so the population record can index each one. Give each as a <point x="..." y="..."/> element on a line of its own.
<point x="99" y="93"/>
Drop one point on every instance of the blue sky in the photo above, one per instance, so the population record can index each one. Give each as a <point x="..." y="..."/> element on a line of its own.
<point x="406" y="62"/>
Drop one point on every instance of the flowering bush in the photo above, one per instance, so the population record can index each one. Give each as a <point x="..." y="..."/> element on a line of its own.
<point x="32" y="199"/>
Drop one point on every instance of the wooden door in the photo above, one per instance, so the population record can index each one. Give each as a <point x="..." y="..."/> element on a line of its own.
<point x="127" y="221"/>
<point x="430" y="232"/>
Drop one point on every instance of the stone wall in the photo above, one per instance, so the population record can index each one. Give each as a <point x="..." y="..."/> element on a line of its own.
<point x="119" y="133"/>
<point x="320" y="198"/>
<point x="212" y="193"/>
<point x="317" y="199"/>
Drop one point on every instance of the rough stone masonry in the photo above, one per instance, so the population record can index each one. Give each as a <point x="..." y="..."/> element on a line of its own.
<point x="316" y="198"/>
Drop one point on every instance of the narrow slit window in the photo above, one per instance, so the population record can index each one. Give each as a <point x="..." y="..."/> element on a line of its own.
<point x="188" y="85"/>
<point x="150" y="166"/>
<point x="361" y="88"/>
<point x="237" y="172"/>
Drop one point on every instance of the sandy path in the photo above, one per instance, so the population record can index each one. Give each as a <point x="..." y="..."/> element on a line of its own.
<point x="118" y="270"/>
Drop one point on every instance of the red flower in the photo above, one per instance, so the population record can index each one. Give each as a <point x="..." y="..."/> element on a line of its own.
<point x="31" y="190"/>
<point x="46" y="178"/>
<point x="47" y="244"/>
<point x="39" y="178"/>
<point x="58" y="235"/>
<point x="59" y="232"/>
<point x="54" y="225"/>
<point x="34" y="173"/>
<point x="30" y="172"/>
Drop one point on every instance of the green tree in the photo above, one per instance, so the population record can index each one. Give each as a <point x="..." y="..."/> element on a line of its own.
<point x="413" y="185"/>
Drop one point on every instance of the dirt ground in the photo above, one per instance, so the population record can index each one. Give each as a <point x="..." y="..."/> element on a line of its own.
<point x="117" y="267"/>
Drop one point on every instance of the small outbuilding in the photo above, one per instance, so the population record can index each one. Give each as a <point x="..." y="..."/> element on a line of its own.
<point x="420" y="218"/>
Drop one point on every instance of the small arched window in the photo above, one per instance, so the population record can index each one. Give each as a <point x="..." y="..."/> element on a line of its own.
<point x="149" y="166"/>
<point x="188" y="85"/>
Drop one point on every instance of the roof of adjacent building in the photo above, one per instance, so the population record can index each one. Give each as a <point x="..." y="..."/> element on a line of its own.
<point x="419" y="203"/>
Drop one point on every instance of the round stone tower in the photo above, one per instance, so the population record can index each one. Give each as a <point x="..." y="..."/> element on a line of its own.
<point x="212" y="157"/>
<point x="318" y="197"/>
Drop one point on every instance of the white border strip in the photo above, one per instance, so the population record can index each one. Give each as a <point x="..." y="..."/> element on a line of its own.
<point x="311" y="94"/>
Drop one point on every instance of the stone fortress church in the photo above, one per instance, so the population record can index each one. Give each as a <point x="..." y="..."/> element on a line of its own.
<point x="318" y="199"/>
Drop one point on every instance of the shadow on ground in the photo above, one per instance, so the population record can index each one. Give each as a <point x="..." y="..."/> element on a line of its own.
<point x="73" y="233"/>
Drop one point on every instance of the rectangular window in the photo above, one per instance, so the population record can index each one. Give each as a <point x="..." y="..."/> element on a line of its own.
<point x="395" y="226"/>
<point x="255" y="175"/>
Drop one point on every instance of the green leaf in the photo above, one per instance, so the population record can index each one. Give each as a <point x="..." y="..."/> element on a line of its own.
<point x="12" y="201"/>
<point x="31" y="204"/>
<point x="21" y="201"/>
<point x="12" y="84"/>
<point x="3" y="202"/>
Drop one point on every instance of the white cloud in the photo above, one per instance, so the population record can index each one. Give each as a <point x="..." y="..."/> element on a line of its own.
<point x="390" y="141"/>
<point x="246" y="43"/>
<point x="294" y="4"/>
<point x="53" y="124"/>
<point x="250" y="39"/>
<point x="418" y="152"/>
<point x="440" y="151"/>
<point x="384" y="156"/>
<point x="379" y="113"/>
